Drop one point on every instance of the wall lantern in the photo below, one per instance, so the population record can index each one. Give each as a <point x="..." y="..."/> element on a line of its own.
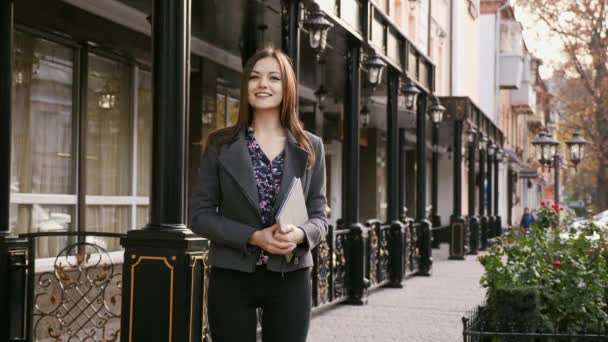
<point x="366" y="116"/>
<point x="374" y="65"/>
<point x="317" y="26"/>
<point x="491" y="149"/>
<point x="483" y="141"/>
<point x="106" y="99"/>
<point x="436" y="110"/>
<point x="499" y="153"/>
<point x="471" y="135"/>
<point x="320" y="95"/>
<point x="410" y="91"/>
<point x="576" y="146"/>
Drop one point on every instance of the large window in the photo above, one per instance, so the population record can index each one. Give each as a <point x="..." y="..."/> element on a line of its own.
<point x="43" y="194"/>
<point x="117" y="151"/>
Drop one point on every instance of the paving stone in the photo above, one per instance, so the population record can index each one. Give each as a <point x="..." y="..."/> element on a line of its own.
<point x="426" y="309"/>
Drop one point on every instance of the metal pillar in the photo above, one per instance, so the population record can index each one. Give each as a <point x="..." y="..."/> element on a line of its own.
<point x="510" y="187"/>
<point x="424" y="226"/>
<point x="473" y="221"/>
<point x="392" y="181"/>
<point x="457" y="222"/>
<point x="13" y="251"/>
<point x="482" y="207"/>
<point x="291" y="33"/>
<point x="489" y="197"/>
<point x="497" y="219"/>
<point x="249" y="31"/>
<point x="358" y="233"/>
<point x="165" y="253"/>
<point x="435" y="219"/>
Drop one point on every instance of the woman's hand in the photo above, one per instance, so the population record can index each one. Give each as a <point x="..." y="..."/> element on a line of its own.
<point x="289" y="233"/>
<point x="266" y="240"/>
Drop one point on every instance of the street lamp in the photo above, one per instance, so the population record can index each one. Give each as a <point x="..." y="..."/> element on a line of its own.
<point x="410" y="91"/>
<point x="436" y="110"/>
<point x="576" y="146"/>
<point x="317" y="26"/>
<point x="546" y="153"/>
<point x="374" y="65"/>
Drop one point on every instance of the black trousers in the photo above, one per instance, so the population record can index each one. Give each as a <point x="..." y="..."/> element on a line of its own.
<point x="234" y="296"/>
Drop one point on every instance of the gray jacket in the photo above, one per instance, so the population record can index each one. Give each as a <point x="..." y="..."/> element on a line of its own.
<point x="225" y="205"/>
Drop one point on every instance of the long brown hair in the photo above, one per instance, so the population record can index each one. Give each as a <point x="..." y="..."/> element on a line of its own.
<point x="288" y="116"/>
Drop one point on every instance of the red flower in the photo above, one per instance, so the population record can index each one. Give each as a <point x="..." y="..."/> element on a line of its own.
<point x="556" y="263"/>
<point x="542" y="203"/>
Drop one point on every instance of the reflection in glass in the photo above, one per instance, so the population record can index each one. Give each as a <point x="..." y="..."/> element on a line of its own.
<point x="143" y="215"/>
<point x="108" y="130"/>
<point x="42" y="159"/>
<point x="144" y="133"/>
<point x="109" y="219"/>
<point x="32" y="218"/>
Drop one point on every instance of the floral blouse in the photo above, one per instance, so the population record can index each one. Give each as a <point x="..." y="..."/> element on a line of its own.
<point x="268" y="175"/>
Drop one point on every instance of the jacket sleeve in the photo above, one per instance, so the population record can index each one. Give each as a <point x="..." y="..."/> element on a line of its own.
<point x="206" y="199"/>
<point x="315" y="229"/>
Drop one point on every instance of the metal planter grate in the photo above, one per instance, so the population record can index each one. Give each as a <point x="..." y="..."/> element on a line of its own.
<point x="477" y="327"/>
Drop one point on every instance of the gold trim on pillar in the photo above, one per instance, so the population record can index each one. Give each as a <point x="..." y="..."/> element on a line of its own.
<point x="133" y="286"/>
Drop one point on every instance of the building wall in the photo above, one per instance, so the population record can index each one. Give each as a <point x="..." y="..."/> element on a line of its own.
<point x="465" y="54"/>
<point x="487" y="67"/>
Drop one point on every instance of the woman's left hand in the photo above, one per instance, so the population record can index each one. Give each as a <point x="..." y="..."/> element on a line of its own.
<point x="289" y="233"/>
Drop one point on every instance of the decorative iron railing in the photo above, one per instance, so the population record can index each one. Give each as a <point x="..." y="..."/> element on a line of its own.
<point x="78" y="297"/>
<point x="377" y="260"/>
<point x="329" y="272"/>
<point x="412" y="249"/>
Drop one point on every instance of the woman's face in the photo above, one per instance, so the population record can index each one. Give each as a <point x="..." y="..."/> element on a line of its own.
<point x="265" y="86"/>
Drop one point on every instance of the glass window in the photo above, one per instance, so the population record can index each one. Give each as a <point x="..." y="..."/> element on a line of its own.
<point x="144" y="133"/>
<point x="233" y="111"/>
<point x="108" y="128"/>
<point x="29" y="218"/>
<point x="42" y="146"/>
<point x="108" y="219"/>
<point x="143" y="215"/>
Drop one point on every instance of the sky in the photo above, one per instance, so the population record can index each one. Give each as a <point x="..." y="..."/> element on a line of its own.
<point x="540" y="41"/>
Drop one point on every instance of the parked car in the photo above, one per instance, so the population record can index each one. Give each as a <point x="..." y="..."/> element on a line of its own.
<point x="600" y="219"/>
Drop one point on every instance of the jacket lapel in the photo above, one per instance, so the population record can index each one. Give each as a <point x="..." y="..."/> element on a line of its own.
<point x="294" y="166"/>
<point x="237" y="161"/>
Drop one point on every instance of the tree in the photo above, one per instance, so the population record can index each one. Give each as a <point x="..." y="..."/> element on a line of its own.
<point x="582" y="27"/>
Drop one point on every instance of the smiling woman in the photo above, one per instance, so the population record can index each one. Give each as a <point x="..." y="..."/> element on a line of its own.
<point x="245" y="173"/>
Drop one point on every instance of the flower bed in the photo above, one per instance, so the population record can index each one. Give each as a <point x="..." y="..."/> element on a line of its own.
<point x="552" y="278"/>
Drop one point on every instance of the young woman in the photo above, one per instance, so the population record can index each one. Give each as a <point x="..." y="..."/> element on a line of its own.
<point x="244" y="177"/>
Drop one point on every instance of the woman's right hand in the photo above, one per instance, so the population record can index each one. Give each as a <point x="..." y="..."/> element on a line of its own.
<point x="265" y="240"/>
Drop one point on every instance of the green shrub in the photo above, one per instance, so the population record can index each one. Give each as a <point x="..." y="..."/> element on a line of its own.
<point x="569" y="265"/>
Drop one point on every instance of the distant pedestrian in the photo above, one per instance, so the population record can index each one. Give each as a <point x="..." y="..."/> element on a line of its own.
<point x="526" y="219"/>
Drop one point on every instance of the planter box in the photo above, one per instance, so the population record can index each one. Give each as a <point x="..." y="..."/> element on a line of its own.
<point x="477" y="327"/>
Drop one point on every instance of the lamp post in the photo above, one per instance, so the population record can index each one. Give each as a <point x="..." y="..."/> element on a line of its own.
<point x="546" y="153"/>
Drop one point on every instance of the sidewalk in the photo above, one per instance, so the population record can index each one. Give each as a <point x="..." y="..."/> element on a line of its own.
<point x="426" y="309"/>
